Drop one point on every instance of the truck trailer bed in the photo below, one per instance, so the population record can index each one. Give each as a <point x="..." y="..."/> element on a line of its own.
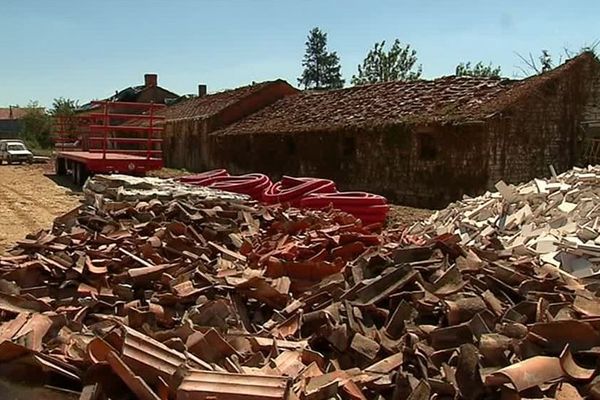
<point x="85" y="163"/>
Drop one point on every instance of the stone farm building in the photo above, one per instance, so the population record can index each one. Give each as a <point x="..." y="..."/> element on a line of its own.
<point x="190" y="121"/>
<point x="421" y="143"/>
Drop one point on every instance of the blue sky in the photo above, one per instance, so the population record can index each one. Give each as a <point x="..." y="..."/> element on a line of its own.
<point x="83" y="49"/>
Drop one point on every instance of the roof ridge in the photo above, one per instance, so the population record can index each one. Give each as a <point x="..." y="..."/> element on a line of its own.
<point x="535" y="81"/>
<point x="410" y="82"/>
<point x="261" y="83"/>
<point x="200" y="107"/>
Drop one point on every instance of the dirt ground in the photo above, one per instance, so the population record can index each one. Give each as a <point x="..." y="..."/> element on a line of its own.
<point x="403" y="217"/>
<point x="30" y="198"/>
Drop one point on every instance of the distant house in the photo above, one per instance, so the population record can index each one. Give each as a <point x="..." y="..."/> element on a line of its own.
<point x="10" y="122"/>
<point x="189" y="121"/>
<point x="146" y="93"/>
<point x="422" y="143"/>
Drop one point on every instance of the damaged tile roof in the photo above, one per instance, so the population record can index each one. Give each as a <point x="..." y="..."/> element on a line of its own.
<point x="446" y="99"/>
<point x="205" y="106"/>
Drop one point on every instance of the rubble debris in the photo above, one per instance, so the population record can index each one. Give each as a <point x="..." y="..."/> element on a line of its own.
<point x="119" y="188"/>
<point x="202" y="296"/>
<point x="556" y="220"/>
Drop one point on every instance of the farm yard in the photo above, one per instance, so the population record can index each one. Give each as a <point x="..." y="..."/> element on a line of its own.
<point x="259" y="295"/>
<point x="317" y="200"/>
<point x="29" y="201"/>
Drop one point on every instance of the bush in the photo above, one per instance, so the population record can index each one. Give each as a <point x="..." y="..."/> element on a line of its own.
<point x="37" y="126"/>
<point x="37" y="122"/>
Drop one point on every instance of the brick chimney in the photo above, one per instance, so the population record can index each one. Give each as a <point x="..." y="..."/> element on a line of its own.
<point x="150" y="80"/>
<point x="201" y="90"/>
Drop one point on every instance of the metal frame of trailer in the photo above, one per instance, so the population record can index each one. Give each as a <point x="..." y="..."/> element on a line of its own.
<point x="114" y="137"/>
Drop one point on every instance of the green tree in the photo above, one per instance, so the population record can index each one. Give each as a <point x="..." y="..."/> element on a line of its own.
<point x="321" y="68"/>
<point x="63" y="107"/>
<point x="396" y="64"/>
<point x="36" y="125"/>
<point x="479" y="69"/>
<point x="64" y="116"/>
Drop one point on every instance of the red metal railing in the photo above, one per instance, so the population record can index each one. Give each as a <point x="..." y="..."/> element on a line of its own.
<point x="70" y="132"/>
<point x="113" y="127"/>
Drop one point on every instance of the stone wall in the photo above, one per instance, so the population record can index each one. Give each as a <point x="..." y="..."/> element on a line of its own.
<point x="185" y="144"/>
<point x="591" y="123"/>
<point x="591" y="114"/>
<point x="424" y="166"/>
<point x="544" y="128"/>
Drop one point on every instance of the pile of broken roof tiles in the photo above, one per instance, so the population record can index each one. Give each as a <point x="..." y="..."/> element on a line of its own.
<point x="556" y="220"/>
<point x="164" y="294"/>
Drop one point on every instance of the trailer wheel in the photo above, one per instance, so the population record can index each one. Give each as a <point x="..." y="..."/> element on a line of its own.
<point x="60" y="166"/>
<point x="83" y="174"/>
<point x="80" y="173"/>
<point x="75" y="173"/>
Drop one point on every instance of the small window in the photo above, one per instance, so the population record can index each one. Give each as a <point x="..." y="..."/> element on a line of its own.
<point x="291" y="146"/>
<point x="348" y="146"/>
<point x="427" y="147"/>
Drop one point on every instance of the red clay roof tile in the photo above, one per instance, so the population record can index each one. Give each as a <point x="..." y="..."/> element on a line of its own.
<point x="206" y="106"/>
<point x="444" y="99"/>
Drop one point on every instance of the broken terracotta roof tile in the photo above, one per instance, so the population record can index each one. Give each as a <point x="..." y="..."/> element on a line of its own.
<point x="225" y="386"/>
<point x="289" y="304"/>
<point x="528" y="373"/>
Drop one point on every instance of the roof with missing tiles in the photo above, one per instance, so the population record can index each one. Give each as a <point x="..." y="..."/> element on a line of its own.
<point x="206" y="106"/>
<point x="446" y="99"/>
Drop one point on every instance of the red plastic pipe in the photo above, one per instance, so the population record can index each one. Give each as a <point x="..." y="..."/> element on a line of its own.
<point x="298" y="191"/>
<point x="204" y="178"/>
<point x="251" y="184"/>
<point x="292" y="190"/>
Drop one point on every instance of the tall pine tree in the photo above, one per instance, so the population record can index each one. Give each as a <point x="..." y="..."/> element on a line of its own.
<point x="321" y="68"/>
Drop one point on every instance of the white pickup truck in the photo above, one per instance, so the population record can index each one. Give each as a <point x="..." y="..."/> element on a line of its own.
<point x="14" y="150"/>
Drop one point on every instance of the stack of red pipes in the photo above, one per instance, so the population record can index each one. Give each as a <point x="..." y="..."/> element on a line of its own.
<point x="299" y="192"/>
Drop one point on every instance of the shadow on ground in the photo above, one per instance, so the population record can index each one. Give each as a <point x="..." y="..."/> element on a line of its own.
<point x="15" y="391"/>
<point x="64" y="181"/>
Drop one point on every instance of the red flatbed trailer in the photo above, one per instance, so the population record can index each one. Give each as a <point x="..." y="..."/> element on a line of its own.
<point x="119" y="137"/>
